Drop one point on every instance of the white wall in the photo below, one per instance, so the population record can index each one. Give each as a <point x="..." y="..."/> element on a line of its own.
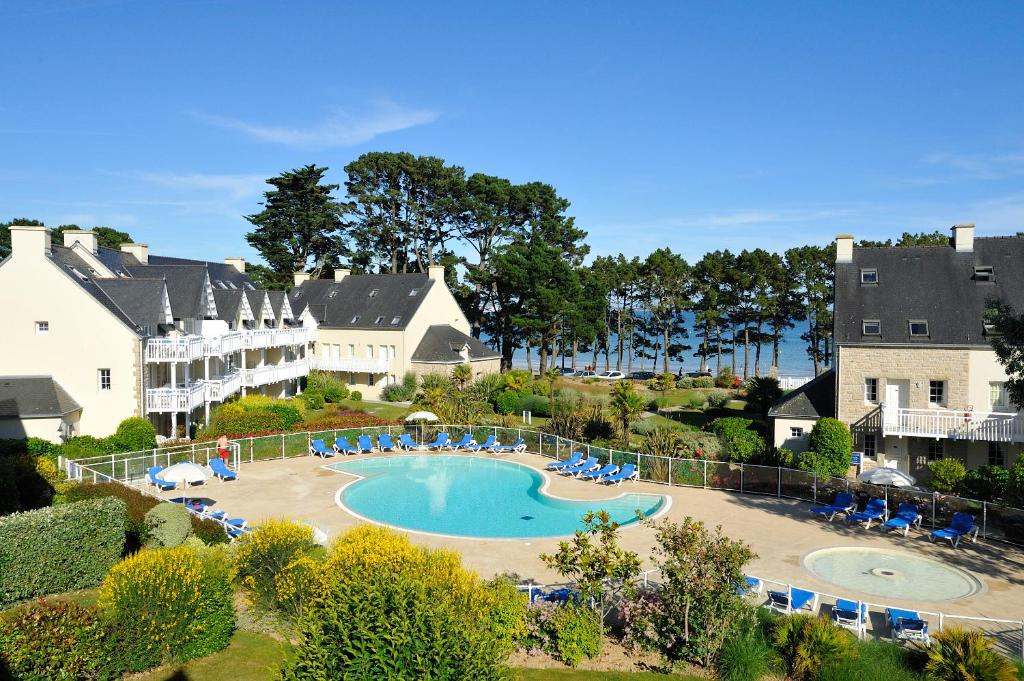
<point x="783" y="438"/>
<point x="47" y="429"/>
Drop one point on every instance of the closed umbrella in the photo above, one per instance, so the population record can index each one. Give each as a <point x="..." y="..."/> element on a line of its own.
<point x="422" y="416"/>
<point x="886" y="476"/>
<point x="184" y="472"/>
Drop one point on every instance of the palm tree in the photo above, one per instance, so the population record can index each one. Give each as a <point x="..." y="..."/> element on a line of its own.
<point x="462" y="374"/>
<point x="626" y="404"/>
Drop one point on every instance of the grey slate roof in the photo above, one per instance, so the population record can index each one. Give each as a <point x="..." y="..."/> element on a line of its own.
<point x="141" y="299"/>
<point x="218" y="271"/>
<point x="256" y="299"/>
<point x="277" y="299"/>
<point x="814" y="399"/>
<point x="79" y="271"/>
<point x="185" y="285"/>
<point x="228" y="301"/>
<point x="335" y="304"/>
<point x="115" y="260"/>
<point x="927" y="283"/>
<point x="443" y="343"/>
<point x="36" y="397"/>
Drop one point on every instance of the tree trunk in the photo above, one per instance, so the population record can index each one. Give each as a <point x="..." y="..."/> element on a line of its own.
<point x="529" y="357"/>
<point x="618" y="341"/>
<point x="813" y="341"/>
<point x="665" y="357"/>
<point x="746" y="350"/>
<point x="733" y="340"/>
<point x="575" y="351"/>
<point x="775" y="352"/>
<point x="543" y="355"/>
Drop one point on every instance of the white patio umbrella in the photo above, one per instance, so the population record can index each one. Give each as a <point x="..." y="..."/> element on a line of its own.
<point x="422" y="416"/>
<point x="184" y="472"/>
<point x="886" y="476"/>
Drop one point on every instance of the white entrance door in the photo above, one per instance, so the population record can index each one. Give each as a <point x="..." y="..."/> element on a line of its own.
<point x="896" y="397"/>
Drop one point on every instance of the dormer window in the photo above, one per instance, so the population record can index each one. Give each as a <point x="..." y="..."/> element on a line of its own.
<point x="355" y="320"/>
<point x="413" y="293"/>
<point x="984" y="273"/>
<point x="231" y="285"/>
<point x="332" y="293"/>
<point x="989" y="329"/>
<point x="374" y="292"/>
<point x="871" y="327"/>
<point x="869" y="275"/>
<point x="380" y="320"/>
<point x="395" y="321"/>
<point x="919" y="328"/>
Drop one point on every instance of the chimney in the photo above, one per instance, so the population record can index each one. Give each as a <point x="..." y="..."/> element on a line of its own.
<point x="301" y="278"/>
<point x="436" y="272"/>
<point x="963" y="238"/>
<point x="29" y="240"/>
<point x="340" y="274"/>
<point x="844" y="248"/>
<point x="86" y="238"/>
<point x="140" y="251"/>
<point x="236" y="262"/>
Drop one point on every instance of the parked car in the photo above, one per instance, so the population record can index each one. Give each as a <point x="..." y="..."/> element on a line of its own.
<point x="642" y="375"/>
<point x="611" y="375"/>
<point x="698" y="374"/>
<point x="579" y="373"/>
<point x="569" y="371"/>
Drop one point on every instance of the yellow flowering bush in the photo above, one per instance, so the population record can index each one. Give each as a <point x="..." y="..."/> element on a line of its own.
<point x="297" y="583"/>
<point x="271" y="551"/>
<point x="170" y="605"/>
<point x="389" y="609"/>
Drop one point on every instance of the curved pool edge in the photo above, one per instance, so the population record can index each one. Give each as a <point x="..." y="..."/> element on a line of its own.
<point x="666" y="501"/>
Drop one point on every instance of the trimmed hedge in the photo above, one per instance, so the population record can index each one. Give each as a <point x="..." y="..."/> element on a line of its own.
<point x="61" y="548"/>
<point x="138" y="504"/>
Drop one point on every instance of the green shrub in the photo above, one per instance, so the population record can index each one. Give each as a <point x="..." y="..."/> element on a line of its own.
<point x="335" y="394"/>
<point x="507" y="402"/>
<point x="808" y="643"/>
<point x="313" y="400"/>
<point x="746" y="657"/>
<point x="696" y="402"/>
<point x="875" y="661"/>
<point x="266" y="552"/>
<point x="832" y="445"/>
<point x="134" y="434"/>
<point x="58" y="640"/>
<point x="957" y="654"/>
<point x="762" y="392"/>
<point x="577" y="633"/>
<point x="167" y="526"/>
<point x="61" y="548"/>
<point x="704" y="382"/>
<point x="85" y="446"/>
<point x="401" y="392"/>
<point x="137" y="504"/>
<point x="508" y="611"/>
<point x="988" y="483"/>
<point x="170" y="605"/>
<point x="717" y="399"/>
<point x="355" y="396"/>
<point x="1015" y="483"/>
<point x="324" y="381"/>
<point x="255" y="414"/>
<point x="538" y="405"/>
<point x="728" y="426"/>
<point x="684" y="383"/>
<point x="207" y="530"/>
<point x="947" y="475"/>
<point x="725" y="378"/>
<point x="745" y="446"/>
<point x="26" y="483"/>
<point x="693" y="445"/>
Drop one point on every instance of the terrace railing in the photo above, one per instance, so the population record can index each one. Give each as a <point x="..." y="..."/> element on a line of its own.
<point x="952" y="424"/>
<point x="273" y="373"/>
<point x="185" y="398"/>
<point x="370" y="365"/>
<point x="192" y="347"/>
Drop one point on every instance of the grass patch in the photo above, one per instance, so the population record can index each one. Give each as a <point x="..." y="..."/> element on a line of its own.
<point x="250" y="657"/>
<point x="582" y="674"/>
<point x="384" y="410"/>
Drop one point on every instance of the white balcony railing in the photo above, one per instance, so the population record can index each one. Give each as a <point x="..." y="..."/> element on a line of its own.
<point x="184" y="398"/>
<point x="174" y="349"/>
<point x="192" y="347"/>
<point x="272" y="338"/>
<point x="953" y="424"/>
<point x="273" y="373"/>
<point x="353" y="364"/>
<point x="217" y="389"/>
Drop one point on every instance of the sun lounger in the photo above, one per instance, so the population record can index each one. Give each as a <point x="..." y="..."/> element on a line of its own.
<point x="162" y="485"/>
<point x="581" y="467"/>
<point x="843" y="503"/>
<point x="844" y="613"/>
<point x="405" y="441"/>
<point x="384" y="443"/>
<point x="875" y="510"/>
<point x="320" y="449"/>
<point x="342" y="446"/>
<point x="571" y="461"/>
<point x="206" y="511"/>
<point x="627" y="472"/>
<point x="365" y="444"/>
<point x="792" y="600"/>
<point x="750" y="586"/>
<point x="598" y="473"/>
<point x="906" y="516"/>
<point x="907" y="625"/>
<point x="962" y="525"/>
<point x="221" y="470"/>
<point x="440" y="442"/>
<point x="491" y="441"/>
<point x="467" y="440"/>
<point x="516" y="447"/>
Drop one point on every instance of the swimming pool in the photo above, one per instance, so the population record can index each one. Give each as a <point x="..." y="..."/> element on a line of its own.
<point x="472" y="497"/>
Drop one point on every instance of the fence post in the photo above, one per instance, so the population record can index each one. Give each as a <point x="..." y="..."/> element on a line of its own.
<point x="282" y="444"/>
<point x="933" y="509"/>
<point x="705" y="473"/>
<point x="984" y="519"/>
<point x="814" y="483"/>
<point x="669" y="471"/>
<point x="741" y="477"/>
<point x="778" y="492"/>
<point x="251" y="457"/>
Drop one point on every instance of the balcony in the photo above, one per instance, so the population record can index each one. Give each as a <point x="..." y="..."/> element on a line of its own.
<point x="951" y="424"/>
<point x="218" y="389"/>
<point x="257" y="376"/>
<point x="193" y="347"/>
<point x="353" y="364"/>
<point x="272" y="338"/>
<point x="174" y="349"/>
<point x="185" y="398"/>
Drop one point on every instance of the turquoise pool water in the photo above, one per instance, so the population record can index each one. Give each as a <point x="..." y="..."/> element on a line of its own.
<point x="896" y="574"/>
<point x="473" y="497"/>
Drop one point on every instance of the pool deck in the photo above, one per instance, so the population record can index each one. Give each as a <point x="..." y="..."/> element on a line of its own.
<point x="780" y="531"/>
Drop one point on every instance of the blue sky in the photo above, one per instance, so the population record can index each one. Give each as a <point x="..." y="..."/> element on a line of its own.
<point x="696" y="127"/>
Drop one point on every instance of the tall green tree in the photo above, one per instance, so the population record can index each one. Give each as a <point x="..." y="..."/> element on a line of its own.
<point x="302" y="226"/>
<point x="626" y="405"/>
<point x="908" y="240"/>
<point x="667" y="283"/>
<point x="106" y="237"/>
<point x="813" y="269"/>
<point x="1007" y="339"/>
<point x="711" y="303"/>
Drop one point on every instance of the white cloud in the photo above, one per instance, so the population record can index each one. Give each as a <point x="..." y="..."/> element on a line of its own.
<point x="342" y="128"/>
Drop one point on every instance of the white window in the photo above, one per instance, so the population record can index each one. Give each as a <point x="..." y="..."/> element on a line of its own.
<point x="997" y="396"/>
<point x="871" y="327"/>
<point x="918" y="327"/>
<point x="391" y="351"/>
<point x="383" y="352"/>
<point x="369" y="379"/>
<point x="351" y="350"/>
<point x="795" y="431"/>
<point x="104" y="379"/>
<point x="871" y="390"/>
<point x="869" y="275"/>
<point x="369" y="351"/>
<point x="937" y="393"/>
<point x="936" y="449"/>
<point x="996" y="453"/>
<point x="42" y="328"/>
<point x="870" y="445"/>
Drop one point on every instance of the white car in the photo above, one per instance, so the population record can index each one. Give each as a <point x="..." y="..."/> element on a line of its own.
<point x="611" y="375"/>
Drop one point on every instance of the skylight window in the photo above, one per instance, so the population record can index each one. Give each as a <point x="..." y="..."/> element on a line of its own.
<point x="297" y="292"/>
<point x="395" y="321"/>
<point x="380" y="320"/>
<point x="332" y="293"/>
<point x="918" y="327"/>
<point x="871" y="327"/>
<point x="355" y="320"/>
<point x="984" y="273"/>
<point x="79" y="274"/>
<point x="374" y="292"/>
<point x="246" y="285"/>
<point x="413" y="293"/>
<point x="869" y="275"/>
<point x="220" y="284"/>
<point x="232" y="286"/>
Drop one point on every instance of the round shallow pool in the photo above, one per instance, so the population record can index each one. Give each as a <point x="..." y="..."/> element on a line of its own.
<point x="472" y="497"/>
<point x="896" y="574"/>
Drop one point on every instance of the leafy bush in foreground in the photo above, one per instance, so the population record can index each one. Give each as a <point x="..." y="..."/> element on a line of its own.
<point x="577" y="633"/>
<point x="137" y="504"/>
<point x="60" y="548"/>
<point x="167" y="526"/>
<point x="957" y="654"/>
<point x="828" y="448"/>
<point x="134" y="434"/>
<point x="807" y="643"/>
<point x="267" y="552"/>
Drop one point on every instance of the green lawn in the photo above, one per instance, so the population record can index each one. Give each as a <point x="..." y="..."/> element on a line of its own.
<point x="384" y="410"/>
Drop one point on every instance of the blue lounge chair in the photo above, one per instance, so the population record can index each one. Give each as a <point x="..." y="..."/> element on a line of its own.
<point x="320" y="449"/>
<point x="627" y="472"/>
<point x="365" y="444"/>
<point x="206" y="511"/>
<point x="906" y="515"/>
<point x="491" y="441"/>
<point x="844" y="613"/>
<point x="571" y="461"/>
<point x="598" y="473"/>
<point x="843" y="503"/>
<point x="581" y="467"/>
<point x="875" y="510"/>
<point x="221" y="470"/>
<point x="440" y="442"/>
<point x="342" y="446"/>
<point x="907" y="625"/>
<point x="962" y="525"/>
<point x="467" y="440"/>
<point x="405" y="441"/>
<point x="793" y="600"/>
<point x="162" y="485"/>
<point x="516" y="447"/>
<point x="384" y="443"/>
<point x="750" y="585"/>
